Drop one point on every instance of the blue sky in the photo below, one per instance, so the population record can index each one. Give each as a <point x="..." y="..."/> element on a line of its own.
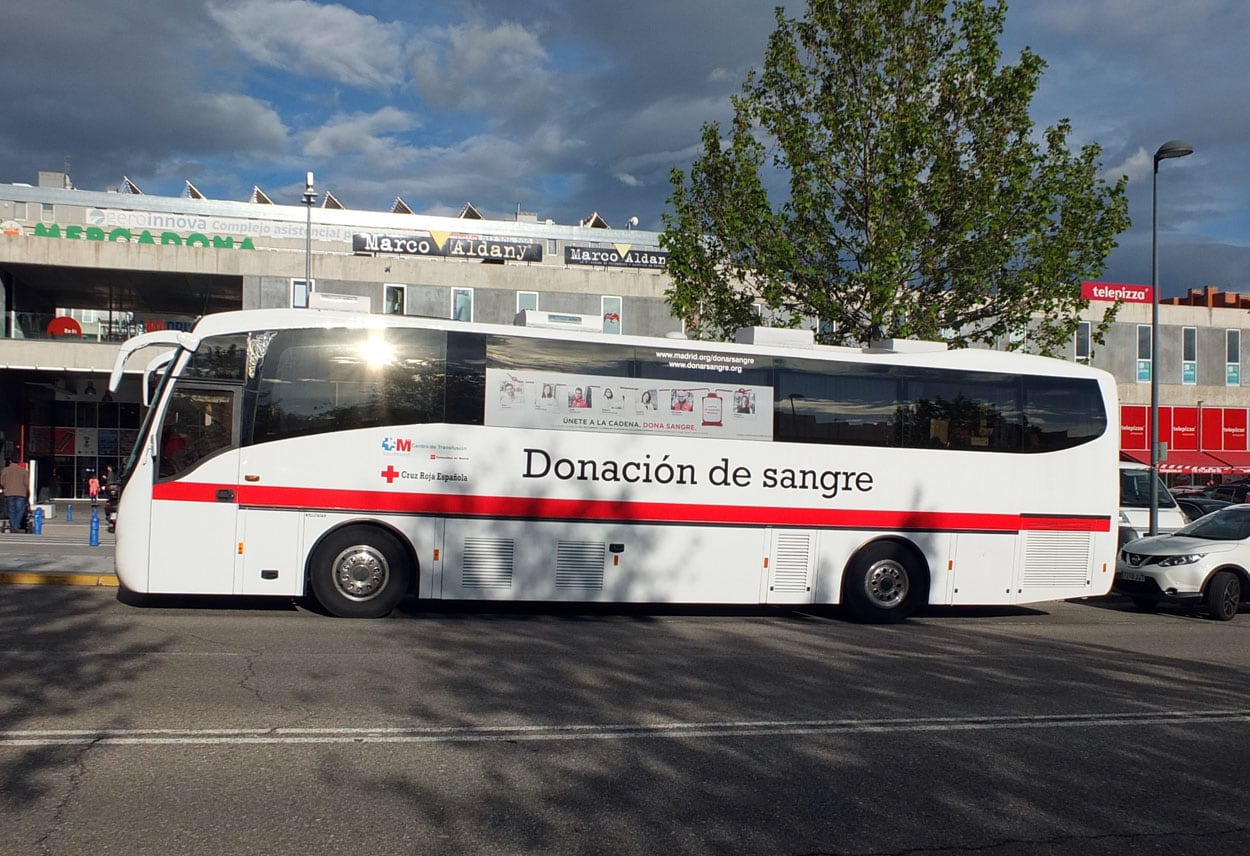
<point x="565" y="108"/>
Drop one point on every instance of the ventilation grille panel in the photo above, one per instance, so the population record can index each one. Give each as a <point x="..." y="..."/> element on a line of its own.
<point x="792" y="554"/>
<point x="488" y="563"/>
<point x="579" y="565"/>
<point x="1057" y="559"/>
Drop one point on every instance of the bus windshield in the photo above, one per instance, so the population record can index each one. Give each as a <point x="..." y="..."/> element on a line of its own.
<point x="157" y="384"/>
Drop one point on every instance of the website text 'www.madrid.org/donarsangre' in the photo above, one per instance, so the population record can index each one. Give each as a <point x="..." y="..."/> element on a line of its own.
<point x="730" y="363"/>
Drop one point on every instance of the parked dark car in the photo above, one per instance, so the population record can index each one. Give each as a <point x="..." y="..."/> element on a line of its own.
<point x="1194" y="507"/>
<point x="1235" y="492"/>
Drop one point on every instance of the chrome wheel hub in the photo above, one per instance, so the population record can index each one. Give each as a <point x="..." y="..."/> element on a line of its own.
<point x="360" y="572"/>
<point x="886" y="584"/>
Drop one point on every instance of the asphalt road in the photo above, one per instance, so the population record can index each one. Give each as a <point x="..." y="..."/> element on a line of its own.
<point x="224" y="727"/>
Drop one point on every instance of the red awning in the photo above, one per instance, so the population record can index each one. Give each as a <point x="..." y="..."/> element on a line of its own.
<point x="1135" y="457"/>
<point x="1235" y="462"/>
<point x="1193" y="462"/>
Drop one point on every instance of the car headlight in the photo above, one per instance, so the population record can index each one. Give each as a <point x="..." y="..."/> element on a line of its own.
<point x="1173" y="561"/>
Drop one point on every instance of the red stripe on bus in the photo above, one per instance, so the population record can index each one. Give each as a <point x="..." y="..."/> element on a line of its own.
<point x="470" y="505"/>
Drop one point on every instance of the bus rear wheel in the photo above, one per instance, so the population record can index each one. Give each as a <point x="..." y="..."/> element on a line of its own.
<point x="884" y="583"/>
<point x="359" y="572"/>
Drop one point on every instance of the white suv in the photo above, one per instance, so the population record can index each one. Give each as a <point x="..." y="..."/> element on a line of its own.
<point x="1205" y="563"/>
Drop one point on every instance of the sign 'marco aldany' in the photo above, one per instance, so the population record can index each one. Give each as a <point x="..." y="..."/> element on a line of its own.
<point x="617" y="255"/>
<point x="449" y="244"/>
<point x="456" y="245"/>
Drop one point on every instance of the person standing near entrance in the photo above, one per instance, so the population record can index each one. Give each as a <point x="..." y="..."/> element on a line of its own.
<point x="15" y="482"/>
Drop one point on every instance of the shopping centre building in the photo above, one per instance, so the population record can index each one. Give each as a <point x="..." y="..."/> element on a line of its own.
<point x="83" y="270"/>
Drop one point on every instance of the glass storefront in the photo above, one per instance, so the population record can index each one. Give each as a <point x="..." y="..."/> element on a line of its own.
<point x="74" y="434"/>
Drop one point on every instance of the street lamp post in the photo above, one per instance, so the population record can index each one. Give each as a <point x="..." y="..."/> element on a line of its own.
<point x="309" y="199"/>
<point x="1170" y="149"/>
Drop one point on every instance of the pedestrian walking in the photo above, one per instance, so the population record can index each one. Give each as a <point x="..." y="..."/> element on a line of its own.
<point x="15" y="483"/>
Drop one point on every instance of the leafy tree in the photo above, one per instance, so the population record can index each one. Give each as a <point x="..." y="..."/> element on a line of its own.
<point x="916" y="201"/>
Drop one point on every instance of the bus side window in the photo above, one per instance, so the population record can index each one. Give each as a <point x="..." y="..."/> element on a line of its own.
<point x="199" y="423"/>
<point x="320" y="381"/>
<point x="1066" y="412"/>
<point x="820" y="404"/>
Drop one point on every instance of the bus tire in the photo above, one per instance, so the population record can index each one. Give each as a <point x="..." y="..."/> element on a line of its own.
<point x="1223" y="596"/>
<point x="884" y="583"/>
<point x="359" y="572"/>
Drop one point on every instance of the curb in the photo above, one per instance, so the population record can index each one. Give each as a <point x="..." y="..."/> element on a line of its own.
<point x="40" y="579"/>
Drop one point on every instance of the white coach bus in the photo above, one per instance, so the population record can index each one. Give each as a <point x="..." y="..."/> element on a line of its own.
<point x="360" y="458"/>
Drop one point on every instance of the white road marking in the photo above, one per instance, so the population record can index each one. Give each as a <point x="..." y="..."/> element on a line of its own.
<point x="686" y="730"/>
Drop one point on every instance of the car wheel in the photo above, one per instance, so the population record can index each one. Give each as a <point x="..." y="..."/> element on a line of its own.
<point x="1146" y="604"/>
<point x="1223" y="595"/>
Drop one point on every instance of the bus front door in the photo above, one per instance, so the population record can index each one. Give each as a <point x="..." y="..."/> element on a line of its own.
<point x="194" y="505"/>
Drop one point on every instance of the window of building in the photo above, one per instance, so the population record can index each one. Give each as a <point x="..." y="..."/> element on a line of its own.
<point x="47" y="212"/>
<point x="1232" y="358"/>
<point x="526" y="300"/>
<point x="611" y="307"/>
<point x="300" y="289"/>
<point x="393" y="299"/>
<point x="1144" y="351"/>
<point x="1082" y="341"/>
<point x="461" y="304"/>
<point x="1189" y="355"/>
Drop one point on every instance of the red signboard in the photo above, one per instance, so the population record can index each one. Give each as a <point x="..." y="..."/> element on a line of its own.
<point x="1184" y="429"/>
<point x="1112" y="291"/>
<point x="1204" y="439"/>
<point x="64" y="326"/>
<point x="1134" y="426"/>
<point x="1234" y="429"/>
<point x="1212" y="429"/>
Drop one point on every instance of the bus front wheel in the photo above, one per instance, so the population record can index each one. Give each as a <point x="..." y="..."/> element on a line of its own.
<point x="884" y="583"/>
<point x="359" y="572"/>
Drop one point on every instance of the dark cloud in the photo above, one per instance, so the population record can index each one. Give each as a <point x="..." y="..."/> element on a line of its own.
<point x="567" y="108"/>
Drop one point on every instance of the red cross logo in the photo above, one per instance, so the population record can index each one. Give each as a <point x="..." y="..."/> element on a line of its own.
<point x="390" y="473"/>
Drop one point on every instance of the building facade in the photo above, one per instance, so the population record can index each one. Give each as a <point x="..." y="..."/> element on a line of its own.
<point x="84" y="270"/>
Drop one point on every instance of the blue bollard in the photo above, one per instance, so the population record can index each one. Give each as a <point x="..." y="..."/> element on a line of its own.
<point x="69" y="514"/>
<point x="95" y="528"/>
<point x="38" y="521"/>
